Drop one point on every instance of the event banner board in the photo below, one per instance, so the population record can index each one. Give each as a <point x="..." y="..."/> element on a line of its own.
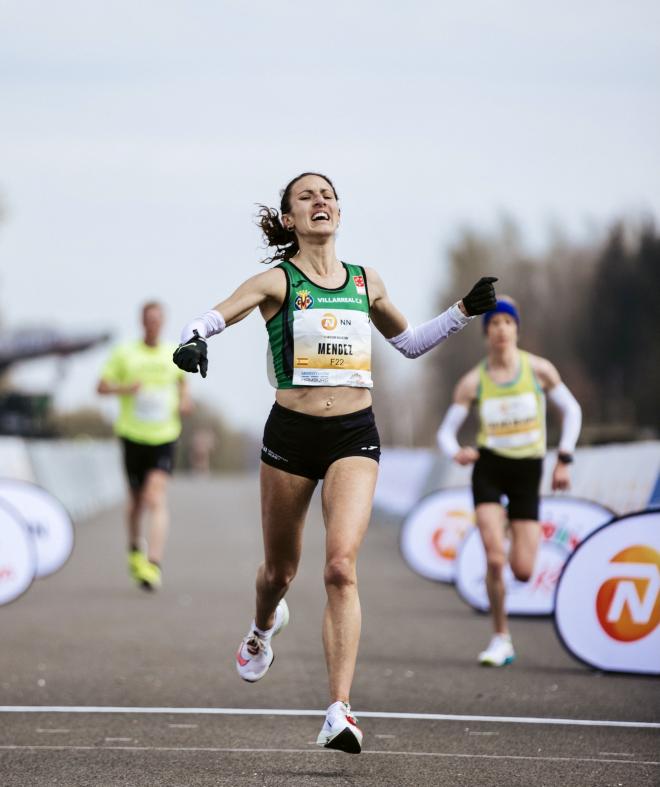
<point x="565" y="521"/>
<point x="18" y="559"/>
<point x="433" y="531"/>
<point x="47" y="520"/>
<point x="607" y="605"/>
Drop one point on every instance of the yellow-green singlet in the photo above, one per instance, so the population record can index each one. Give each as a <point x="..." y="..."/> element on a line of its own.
<point x="150" y="416"/>
<point x="512" y="415"/>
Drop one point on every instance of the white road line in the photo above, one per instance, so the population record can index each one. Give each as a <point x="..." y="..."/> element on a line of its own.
<point x="49" y="731"/>
<point x="363" y="714"/>
<point x="219" y="750"/>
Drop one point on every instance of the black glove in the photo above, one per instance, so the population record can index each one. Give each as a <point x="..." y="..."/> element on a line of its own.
<point x="481" y="297"/>
<point x="192" y="354"/>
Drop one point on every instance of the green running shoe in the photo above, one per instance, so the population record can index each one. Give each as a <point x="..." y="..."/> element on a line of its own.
<point x="136" y="561"/>
<point x="150" y="576"/>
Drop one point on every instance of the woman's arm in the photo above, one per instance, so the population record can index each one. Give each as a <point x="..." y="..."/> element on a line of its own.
<point x="464" y="394"/>
<point x="413" y="342"/>
<point x="568" y="406"/>
<point x="571" y="418"/>
<point x="266" y="290"/>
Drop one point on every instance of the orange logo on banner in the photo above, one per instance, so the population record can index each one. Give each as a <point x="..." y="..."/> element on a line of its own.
<point x="448" y="536"/>
<point x="628" y="605"/>
<point x="329" y="321"/>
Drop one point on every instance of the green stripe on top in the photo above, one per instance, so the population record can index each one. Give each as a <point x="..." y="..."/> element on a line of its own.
<point x="319" y="336"/>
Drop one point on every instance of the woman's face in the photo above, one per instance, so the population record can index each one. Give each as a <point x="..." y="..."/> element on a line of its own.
<point x="314" y="211"/>
<point x="502" y="331"/>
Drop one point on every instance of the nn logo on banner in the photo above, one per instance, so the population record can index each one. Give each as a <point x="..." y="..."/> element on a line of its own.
<point x="628" y="604"/>
<point x="607" y="605"/>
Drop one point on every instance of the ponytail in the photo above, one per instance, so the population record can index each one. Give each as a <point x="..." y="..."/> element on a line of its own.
<point x="276" y="234"/>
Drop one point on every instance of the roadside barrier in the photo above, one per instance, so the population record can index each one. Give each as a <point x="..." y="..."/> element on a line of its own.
<point x="18" y="555"/>
<point x="565" y="522"/>
<point x="47" y="521"/>
<point x="44" y="484"/>
<point x="607" y="603"/>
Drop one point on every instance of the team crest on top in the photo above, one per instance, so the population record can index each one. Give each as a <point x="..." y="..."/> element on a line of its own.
<point x="303" y="300"/>
<point x="359" y="285"/>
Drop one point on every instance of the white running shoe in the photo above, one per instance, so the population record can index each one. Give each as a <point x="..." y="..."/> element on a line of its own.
<point x="499" y="652"/>
<point x="255" y="655"/>
<point x="340" y="730"/>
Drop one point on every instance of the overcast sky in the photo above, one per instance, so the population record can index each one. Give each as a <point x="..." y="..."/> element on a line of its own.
<point x="136" y="138"/>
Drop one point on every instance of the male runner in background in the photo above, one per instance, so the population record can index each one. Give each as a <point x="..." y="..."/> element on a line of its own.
<point x="152" y="395"/>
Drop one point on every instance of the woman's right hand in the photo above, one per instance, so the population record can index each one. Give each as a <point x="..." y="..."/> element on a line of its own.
<point x="466" y="456"/>
<point x="192" y="355"/>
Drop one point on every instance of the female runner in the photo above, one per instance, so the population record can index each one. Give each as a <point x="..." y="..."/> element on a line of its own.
<point x="509" y="387"/>
<point x="318" y="312"/>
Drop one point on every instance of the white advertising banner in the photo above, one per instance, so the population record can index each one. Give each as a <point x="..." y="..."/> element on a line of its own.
<point x="607" y="607"/>
<point x="47" y="520"/>
<point x="18" y="560"/>
<point x="433" y="531"/>
<point x="565" y="521"/>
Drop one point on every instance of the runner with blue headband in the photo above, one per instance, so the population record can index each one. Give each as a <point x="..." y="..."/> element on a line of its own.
<point x="503" y="307"/>
<point x="509" y="388"/>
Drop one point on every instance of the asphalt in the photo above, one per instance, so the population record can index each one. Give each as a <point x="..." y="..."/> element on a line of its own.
<point x="85" y="638"/>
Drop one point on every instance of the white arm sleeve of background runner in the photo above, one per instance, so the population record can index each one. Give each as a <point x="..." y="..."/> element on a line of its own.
<point x="571" y="416"/>
<point x="208" y="324"/>
<point x="414" y="342"/>
<point x="451" y="423"/>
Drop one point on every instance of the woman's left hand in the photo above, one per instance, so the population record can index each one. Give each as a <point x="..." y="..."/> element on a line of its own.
<point x="561" y="477"/>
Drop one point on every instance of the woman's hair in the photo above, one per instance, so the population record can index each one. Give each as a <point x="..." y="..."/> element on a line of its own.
<point x="275" y="233"/>
<point x="508" y="299"/>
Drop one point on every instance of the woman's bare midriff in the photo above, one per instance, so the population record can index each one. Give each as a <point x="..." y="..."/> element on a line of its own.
<point x="324" y="400"/>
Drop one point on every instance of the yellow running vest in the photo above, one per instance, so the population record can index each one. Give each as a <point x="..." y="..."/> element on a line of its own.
<point x="512" y="415"/>
<point x="150" y="416"/>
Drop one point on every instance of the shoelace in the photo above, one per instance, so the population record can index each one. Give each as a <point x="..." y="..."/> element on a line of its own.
<point x="254" y="645"/>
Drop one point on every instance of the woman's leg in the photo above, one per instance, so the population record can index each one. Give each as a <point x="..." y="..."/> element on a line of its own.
<point x="284" y="503"/>
<point x="491" y="519"/>
<point x="347" y="498"/>
<point x="525" y="538"/>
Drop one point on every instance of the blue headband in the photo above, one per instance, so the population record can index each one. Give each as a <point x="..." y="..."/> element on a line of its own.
<point x="503" y="307"/>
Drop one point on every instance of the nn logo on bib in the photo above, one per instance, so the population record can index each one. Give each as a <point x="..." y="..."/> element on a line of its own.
<point x="329" y="321"/>
<point x="628" y="602"/>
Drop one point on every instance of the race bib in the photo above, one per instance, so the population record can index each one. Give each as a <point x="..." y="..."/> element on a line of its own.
<point x="511" y="421"/>
<point x="153" y="404"/>
<point x="332" y="347"/>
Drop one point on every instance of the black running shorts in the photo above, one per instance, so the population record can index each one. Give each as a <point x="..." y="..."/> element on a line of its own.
<point x="307" y="445"/>
<point x="519" y="479"/>
<point x="140" y="459"/>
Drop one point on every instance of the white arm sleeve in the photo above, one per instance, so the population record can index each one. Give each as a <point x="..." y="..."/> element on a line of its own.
<point x="571" y="413"/>
<point x="414" y="342"/>
<point x="451" y="423"/>
<point x="208" y="324"/>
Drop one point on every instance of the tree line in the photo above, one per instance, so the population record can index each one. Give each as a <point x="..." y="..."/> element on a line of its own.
<point x="590" y="307"/>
